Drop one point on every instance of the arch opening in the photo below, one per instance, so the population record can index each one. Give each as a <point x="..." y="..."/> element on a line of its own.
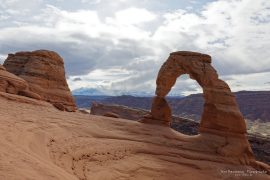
<point x="186" y="102"/>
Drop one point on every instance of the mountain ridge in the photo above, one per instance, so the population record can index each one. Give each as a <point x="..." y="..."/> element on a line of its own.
<point x="255" y="105"/>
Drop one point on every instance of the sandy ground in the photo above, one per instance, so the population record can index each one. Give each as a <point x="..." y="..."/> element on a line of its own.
<point x="39" y="142"/>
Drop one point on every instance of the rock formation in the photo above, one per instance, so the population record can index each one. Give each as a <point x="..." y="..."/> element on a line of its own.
<point x="45" y="74"/>
<point x="221" y="112"/>
<point x="13" y="84"/>
<point x="221" y="115"/>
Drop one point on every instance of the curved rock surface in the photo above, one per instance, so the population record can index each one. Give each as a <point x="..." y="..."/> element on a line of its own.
<point x="221" y="115"/>
<point x="40" y="142"/>
<point x="44" y="71"/>
<point x="11" y="83"/>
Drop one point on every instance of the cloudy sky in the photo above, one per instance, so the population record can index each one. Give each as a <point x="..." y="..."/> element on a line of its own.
<point x="118" y="46"/>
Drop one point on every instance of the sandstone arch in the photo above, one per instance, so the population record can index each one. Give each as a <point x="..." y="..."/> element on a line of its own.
<point x="221" y="114"/>
<point x="222" y="127"/>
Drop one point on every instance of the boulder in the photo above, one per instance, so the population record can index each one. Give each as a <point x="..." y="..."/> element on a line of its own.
<point x="44" y="71"/>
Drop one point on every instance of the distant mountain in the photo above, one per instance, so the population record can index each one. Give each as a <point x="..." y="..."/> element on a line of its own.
<point x="137" y="93"/>
<point x="84" y="101"/>
<point x="96" y="92"/>
<point x="130" y="101"/>
<point x="253" y="104"/>
<point x="88" y="92"/>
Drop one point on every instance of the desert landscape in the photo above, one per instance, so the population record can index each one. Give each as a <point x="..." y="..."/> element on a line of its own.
<point x="134" y="90"/>
<point x="44" y="136"/>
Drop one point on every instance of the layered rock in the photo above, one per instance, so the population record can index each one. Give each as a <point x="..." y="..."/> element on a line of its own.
<point x="221" y="115"/>
<point x="44" y="71"/>
<point x="13" y="84"/>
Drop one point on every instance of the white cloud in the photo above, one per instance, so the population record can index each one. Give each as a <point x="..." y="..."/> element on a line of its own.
<point x="91" y="1"/>
<point x="255" y="81"/>
<point x="133" y="16"/>
<point x="20" y="5"/>
<point x="2" y="58"/>
<point x="136" y="40"/>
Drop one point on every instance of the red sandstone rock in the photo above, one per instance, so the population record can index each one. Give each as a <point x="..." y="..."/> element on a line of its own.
<point x="45" y="74"/>
<point x="29" y="94"/>
<point x="160" y="112"/>
<point x="11" y="83"/>
<point x="59" y="106"/>
<point x="221" y="115"/>
<point x="37" y="142"/>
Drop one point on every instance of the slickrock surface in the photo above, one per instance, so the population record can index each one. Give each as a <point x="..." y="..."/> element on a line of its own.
<point x="44" y="71"/>
<point x="39" y="142"/>
<point x="260" y="144"/>
<point x="183" y="125"/>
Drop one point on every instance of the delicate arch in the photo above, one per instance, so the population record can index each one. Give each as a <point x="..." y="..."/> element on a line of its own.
<point x="221" y="113"/>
